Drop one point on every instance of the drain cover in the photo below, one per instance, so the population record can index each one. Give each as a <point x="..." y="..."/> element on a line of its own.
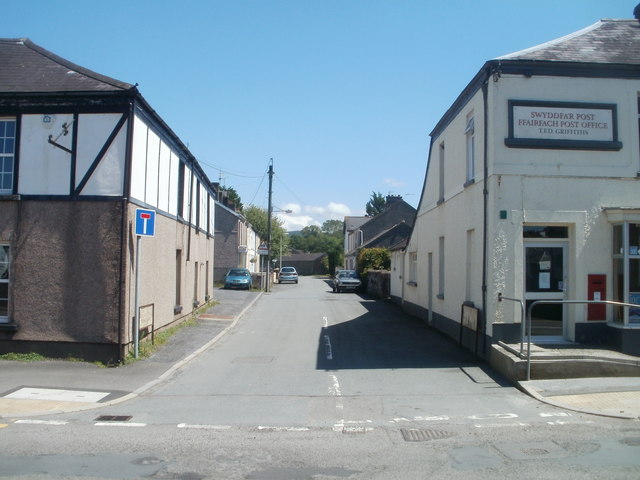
<point x="421" y="435"/>
<point x="113" y="418"/>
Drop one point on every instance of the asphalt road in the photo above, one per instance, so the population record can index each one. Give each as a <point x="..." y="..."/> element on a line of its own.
<point x="316" y="385"/>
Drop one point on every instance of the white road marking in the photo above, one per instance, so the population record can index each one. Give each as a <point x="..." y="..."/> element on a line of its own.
<point x="41" y="422"/>
<point x="57" y="395"/>
<point x="492" y="416"/>
<point x="334" y="391"/>
<point x="283" y="429"/>
<point x="119" y="424"/>
<point x="353" y="426"/>
<point x="422" y="419"/>
<point x="562" y="422"/>
<point x="554" y="414"/>
<point x="327" y="348"/>
<point x="326" y="322"/>
<point x="501" y="425"/>
<point x="204" y="427"/>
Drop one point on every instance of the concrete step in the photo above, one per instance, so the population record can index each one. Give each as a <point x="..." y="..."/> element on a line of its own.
<point x="566" y="361"/>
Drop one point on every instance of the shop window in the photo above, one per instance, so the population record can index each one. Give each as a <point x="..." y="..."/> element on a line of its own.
<point x="7" y="153"/>
<point x="626" y="271"/>
<point x="5" y="260"/>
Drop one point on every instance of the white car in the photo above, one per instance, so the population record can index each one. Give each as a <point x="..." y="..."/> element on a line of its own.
<point x="346" y="280"/>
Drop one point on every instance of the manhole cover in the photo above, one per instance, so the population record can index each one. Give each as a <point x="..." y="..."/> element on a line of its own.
<point x="422" y="435"/>
<point x="113" y="418"/>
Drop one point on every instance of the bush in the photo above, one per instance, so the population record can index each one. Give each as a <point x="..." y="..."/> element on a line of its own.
<point x="373" y="259"/>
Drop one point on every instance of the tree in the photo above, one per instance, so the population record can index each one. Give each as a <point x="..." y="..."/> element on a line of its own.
<point x="326" y="239"/>
<point x="376" y="204"/>
<point x="258" y="217"/>
<point x="333" y="227"/>
<point x="234" y="198"/>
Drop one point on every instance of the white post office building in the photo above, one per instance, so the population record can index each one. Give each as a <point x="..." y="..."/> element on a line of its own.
<point x="532" y="191"/>
<point x="79" y="154"/>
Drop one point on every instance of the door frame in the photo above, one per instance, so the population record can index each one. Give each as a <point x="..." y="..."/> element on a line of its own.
<point x="562" y="295"/>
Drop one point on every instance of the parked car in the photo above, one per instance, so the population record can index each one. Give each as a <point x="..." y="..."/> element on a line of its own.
<point x="346" y="280"/>
<point x="288" y="274"/>
<point x="238" y="278"/>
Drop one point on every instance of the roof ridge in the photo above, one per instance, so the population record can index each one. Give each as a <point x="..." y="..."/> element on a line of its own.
<point x="555" y="41"/>
<point x="74" y="66"/>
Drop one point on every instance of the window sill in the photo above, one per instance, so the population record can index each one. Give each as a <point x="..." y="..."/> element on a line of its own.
<point x="8" y="196"/>
<point x="8" y="327"/>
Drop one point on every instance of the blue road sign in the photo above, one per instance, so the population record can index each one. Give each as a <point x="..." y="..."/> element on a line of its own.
<point x="145" y="222"/>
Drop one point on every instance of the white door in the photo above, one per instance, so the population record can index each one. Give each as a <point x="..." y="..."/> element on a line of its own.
<point x="546" y="279"/>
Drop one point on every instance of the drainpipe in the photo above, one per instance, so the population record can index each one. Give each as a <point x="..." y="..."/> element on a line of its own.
<point x="485" y="194"/>
<point x="123" y="308"/>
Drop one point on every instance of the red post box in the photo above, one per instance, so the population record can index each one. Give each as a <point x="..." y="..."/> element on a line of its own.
<point x="597" y="290"/>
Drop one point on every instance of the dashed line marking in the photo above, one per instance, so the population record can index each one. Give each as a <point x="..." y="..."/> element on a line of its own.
<point x="492" y="416"/>
<point x="119" y="424"/>
<point x="501" y="425"/>
<point x="41" y="422"/>
<point x="554" y="414"/>
<point x="204" y="427"/>
<point x="327" y="347"/>
<point x="283" y="429"/>
<point x="434" y="418"/>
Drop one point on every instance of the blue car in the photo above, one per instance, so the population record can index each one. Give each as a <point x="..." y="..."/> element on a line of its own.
<point x="238" y="278"/>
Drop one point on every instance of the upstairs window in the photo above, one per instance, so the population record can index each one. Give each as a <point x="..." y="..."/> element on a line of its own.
<point x="471" y="162"/>
<point x="7" y="154"/>
<point x="441" y="174"/>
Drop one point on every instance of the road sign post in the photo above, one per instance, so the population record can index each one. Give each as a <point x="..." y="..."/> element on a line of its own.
<point x="145" y="227"/>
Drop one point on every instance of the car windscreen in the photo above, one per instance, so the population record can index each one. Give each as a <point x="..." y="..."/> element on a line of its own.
<point x="238" y="273"/>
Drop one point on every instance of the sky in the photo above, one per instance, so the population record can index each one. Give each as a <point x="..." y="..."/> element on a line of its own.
<point x="341" y="95"/>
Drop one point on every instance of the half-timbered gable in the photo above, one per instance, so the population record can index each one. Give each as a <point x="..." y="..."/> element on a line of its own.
<point x="79" y="154"/>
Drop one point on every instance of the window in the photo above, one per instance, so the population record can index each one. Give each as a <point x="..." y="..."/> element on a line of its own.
<point x="441" y="269"/>
<point x="626" y="270"/>
<point x="413" y="268"/>
<point x="7" y="153"/>
<point x="178" y="277"/>
<point x="5" y="260"/>
<point x="469" y="132"/>
<point x="469" y="266"/>
<point x="441" y="174"/>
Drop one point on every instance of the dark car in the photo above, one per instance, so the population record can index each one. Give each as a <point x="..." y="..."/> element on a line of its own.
<point x="346" y="280"/>
<point x="288" y="274"/>
<point x="238" y="278"/>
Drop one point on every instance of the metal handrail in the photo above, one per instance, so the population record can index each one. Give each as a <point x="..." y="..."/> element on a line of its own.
<point x="522" y="323"/>
<point x="562" y="302"/>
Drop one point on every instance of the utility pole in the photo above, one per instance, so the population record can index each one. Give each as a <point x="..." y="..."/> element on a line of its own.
<point x="269" y="223"/>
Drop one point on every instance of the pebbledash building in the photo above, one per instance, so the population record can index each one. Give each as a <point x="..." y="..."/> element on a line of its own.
<point x="81" y="156"/>
<point x="532" y="192"/>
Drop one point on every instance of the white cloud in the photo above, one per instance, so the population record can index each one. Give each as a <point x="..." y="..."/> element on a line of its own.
<point x="393" y="182"/>
<point x="304" y="216"/>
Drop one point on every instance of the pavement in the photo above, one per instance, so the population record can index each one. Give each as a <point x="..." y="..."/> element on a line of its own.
<point x="58" y="386"/>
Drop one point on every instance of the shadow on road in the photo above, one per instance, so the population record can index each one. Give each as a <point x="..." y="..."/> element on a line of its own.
<point x="384" y="338"/>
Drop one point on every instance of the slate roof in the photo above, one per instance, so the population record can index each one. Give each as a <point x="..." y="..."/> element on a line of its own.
<point x="29" y="68"/>
<point x="607" y="41"/>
